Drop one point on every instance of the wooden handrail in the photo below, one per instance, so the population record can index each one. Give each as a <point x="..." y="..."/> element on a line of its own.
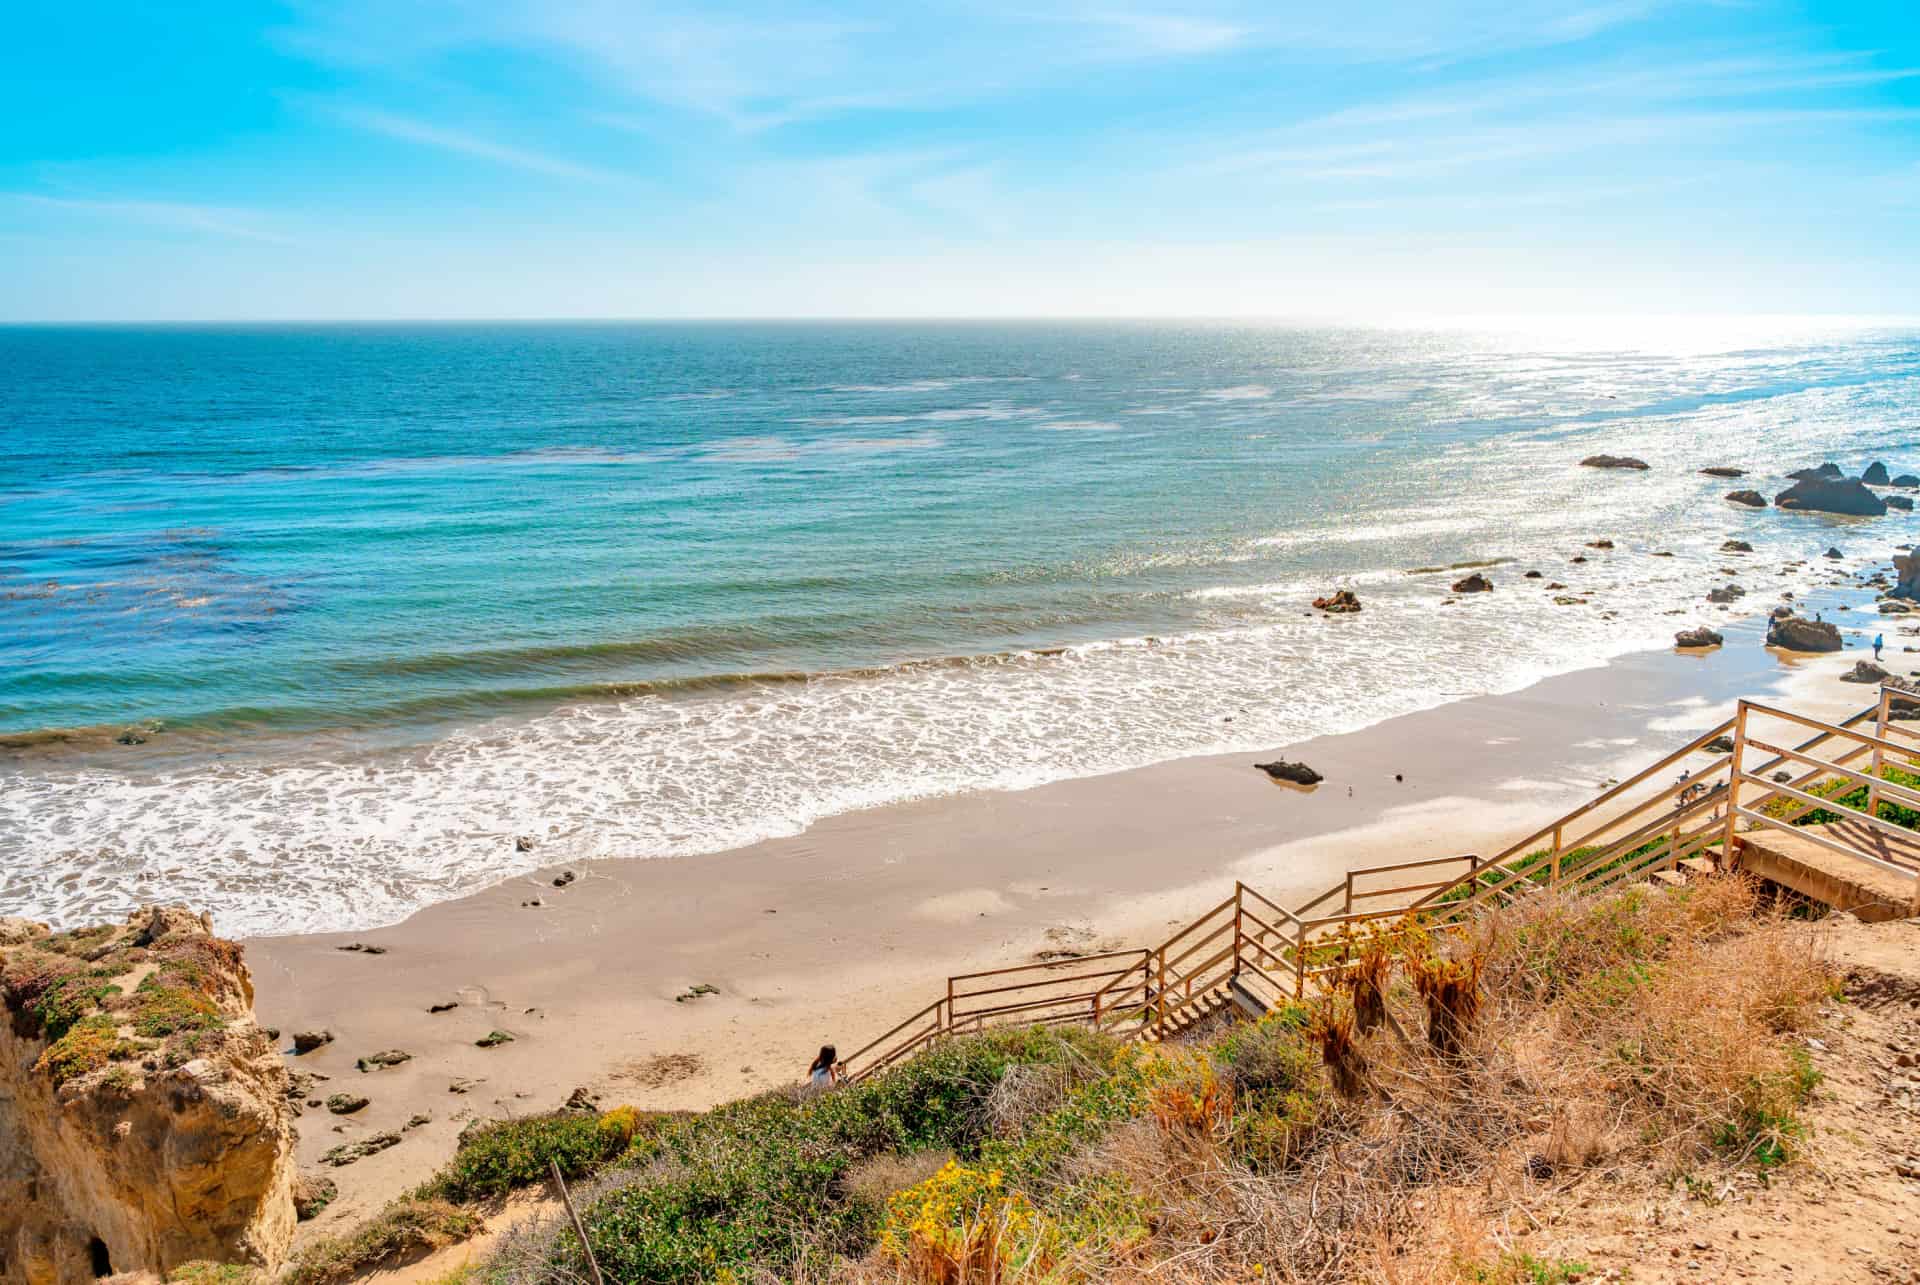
<point x="1156" y="980"/>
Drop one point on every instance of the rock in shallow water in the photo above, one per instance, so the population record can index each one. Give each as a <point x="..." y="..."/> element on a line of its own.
<point x="1796" y="634"/>
<point x="1752" y="499"/>
<point x="1614" y="461"/>
<point x="1698" y="637"/>
<point x="1845" y="495"/>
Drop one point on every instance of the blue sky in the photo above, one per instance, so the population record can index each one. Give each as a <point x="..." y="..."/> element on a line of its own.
<point x="566" y="158"/>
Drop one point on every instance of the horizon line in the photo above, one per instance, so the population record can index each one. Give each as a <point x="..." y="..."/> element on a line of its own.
<point x="1390" y="320"/>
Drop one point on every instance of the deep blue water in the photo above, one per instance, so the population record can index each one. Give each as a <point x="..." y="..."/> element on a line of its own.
<point x="300" y="603"/>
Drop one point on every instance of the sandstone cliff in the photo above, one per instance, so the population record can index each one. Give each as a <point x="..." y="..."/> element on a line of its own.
<point x="143" y="1113"/>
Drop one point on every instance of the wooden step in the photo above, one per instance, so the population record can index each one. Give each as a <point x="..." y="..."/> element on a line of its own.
<point x="1671" y="878"/>
<point x="1698" y="865"/>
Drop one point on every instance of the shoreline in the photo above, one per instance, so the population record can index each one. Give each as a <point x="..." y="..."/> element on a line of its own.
<point x="835" y="934"/>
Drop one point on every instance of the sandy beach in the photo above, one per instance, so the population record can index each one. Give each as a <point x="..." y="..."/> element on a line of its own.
<point x="834" y="935"/>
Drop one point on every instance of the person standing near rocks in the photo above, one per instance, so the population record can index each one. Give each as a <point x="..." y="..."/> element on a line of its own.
<point x="1879" y="641"/>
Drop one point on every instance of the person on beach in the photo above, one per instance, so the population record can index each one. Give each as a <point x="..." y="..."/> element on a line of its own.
<point x="826" y="1071"/>
<point x="1879" y="641"/>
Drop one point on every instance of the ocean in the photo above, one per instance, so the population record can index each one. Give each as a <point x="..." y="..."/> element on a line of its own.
<point x="308" y="625"/>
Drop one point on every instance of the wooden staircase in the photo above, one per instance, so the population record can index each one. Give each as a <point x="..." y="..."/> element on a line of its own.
<point x="1249" y="954"/>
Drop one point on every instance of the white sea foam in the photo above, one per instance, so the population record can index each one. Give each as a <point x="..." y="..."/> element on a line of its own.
<point x="355" y="842"/>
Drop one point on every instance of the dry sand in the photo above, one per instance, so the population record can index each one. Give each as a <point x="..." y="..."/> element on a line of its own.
<point x="836" y="934"/>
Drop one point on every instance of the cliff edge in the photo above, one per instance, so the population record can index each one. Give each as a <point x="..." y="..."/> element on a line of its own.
<point x="144" y="1121"/>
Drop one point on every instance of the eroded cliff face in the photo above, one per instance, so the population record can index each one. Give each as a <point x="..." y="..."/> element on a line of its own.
<point x="144" y="1121"/>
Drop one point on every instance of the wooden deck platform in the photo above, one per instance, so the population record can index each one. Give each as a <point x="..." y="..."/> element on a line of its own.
<point x="1802" y="863"/>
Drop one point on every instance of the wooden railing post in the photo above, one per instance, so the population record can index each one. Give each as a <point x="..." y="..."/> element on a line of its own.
<point x="1239" y="933"/>
<point x="1879" y="730"/>
<point x="1553" y="879"/>
<point x="1347" y="906"/>
<point x="1160" y="993"/>
<point x="1300" y="960"/>
<point x="1734" y="770"/>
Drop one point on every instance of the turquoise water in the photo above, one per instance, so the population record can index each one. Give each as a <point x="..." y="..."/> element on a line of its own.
<point x="307" y="623"/>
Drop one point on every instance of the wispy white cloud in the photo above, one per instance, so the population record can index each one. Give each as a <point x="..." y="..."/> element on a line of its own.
<point x="407" y="129"/>
<point x="214" y="220"/>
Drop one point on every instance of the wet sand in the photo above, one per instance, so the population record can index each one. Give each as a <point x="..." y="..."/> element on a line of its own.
<point x="836" y="934"/>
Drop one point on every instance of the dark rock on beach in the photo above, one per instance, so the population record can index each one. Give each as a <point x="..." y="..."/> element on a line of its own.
<point x="1827" y="470"/>
<point x="1907" y="480"/>
<point x="1797" y="634"/>
<point x="1752" y="499"/>
<point x="523" y="844"/>
<point x="1865" y="671"/>
<point x="1532" y="575"/>
<point x="563" y="879"/>
<point x="1902" y="502"/>
<point x="1700" y="636"/>
<point x="373" y="1061"/>
<point x="1726" y="593"/>
<point x="1831" y="495"/>
<point x="1475" y="583"/>
<point x="1736" y="546"/>
<point x="1614" y="461"/>
<point x="346" y="1103"/>
<point x="1295" y="773"/>
<point x="1719" y="745"/>
<point x="493" y="1039"/>
<point x="308" y="1041"/>
<point x="1721" y="470"/>
<point x="1876" y="474"/>
<point x="1833" y="552"/>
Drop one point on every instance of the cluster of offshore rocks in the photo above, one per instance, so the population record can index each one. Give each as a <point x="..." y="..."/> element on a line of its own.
<point x="1825" y="489"/>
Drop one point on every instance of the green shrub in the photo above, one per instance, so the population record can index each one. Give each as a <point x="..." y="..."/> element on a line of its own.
<point x="765" y="1181"/>
<point x="88" y="1045"/>
<point x="68" y="999"/>
<point x="1850" y="795"/>
<point x="159" y="1009"/>
<point x="498" y="1156"/>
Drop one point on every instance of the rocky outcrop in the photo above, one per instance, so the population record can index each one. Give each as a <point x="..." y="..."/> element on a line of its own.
<point x="144" y="1120"/>
<point x="1907" y="567"/>
<point x="1831" y="495"/>
<point x="1752" y="499"/>
<point x="1698" y="637"/>
<point x="1902" y="502"/>
<point x="1721" y="470"/>
<point x="1614" y="461"/>
<point x="1339" y="602"/>
<point x="1797" y="634"/>
<point x="1828" y="470"/>
<point x="1736" y="546"/>
<point x="1475" y="583"/>
<point x="1292" y="773"/>
<point x="1907" y="480"/>
<point x="1865" y="671"/>
<point x="1876" y="474"/>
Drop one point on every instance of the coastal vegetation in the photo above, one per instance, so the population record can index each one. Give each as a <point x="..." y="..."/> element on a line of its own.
<point x="1652" y="1033"/>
